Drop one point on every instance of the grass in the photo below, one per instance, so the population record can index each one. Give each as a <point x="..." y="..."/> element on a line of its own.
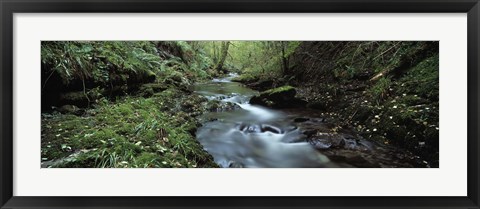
<point x="423" y="79"/>
<point x="380" y="90"/>
<point x="133" y="132"/>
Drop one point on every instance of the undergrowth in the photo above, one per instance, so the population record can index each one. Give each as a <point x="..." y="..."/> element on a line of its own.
<point x="134" y="132"/>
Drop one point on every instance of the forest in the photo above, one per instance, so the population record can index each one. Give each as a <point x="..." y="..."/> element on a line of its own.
<point x="240" y="104"/>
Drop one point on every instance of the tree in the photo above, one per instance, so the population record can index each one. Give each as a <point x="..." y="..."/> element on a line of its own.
<point x="283" y="46"/>
<point x="223" y="56"/>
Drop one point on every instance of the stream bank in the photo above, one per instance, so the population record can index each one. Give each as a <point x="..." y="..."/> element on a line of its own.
<point x="385" y="91"/>
<point x="132" y="132"/>
<point x="120" y="104"/>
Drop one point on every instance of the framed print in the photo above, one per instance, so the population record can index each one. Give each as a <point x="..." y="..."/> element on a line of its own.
<point x="265" y="104"/>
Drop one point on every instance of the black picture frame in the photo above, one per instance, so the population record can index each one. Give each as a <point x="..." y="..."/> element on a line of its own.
<point x="9" y="7"/>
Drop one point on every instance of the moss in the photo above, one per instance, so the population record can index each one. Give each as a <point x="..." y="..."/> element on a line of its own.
<point x="422" y="79"/>
<point x="131" y="132"/>
<point x="279" y="90"/>
<point x="150" y="89"/>
<point x="177" y="79"/>
<point x="281" y="97"/>
<point x="150" y="76"/>
<point x="246" y="78"/>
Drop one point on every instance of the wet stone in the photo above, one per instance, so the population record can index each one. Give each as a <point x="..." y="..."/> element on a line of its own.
<point x="270" y="128"/>
<point x="300" y="120"/>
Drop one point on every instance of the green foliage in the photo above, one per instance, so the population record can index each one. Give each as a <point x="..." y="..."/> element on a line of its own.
<point x="98" y="60"/>
<point x="196" y="62"/>
<point x="357" y="58"/>
<point x="380" y="90"/>
<point x="422" y="79"/>
<point x="68" y="59"/>
<point x="259" y="59"/>
<point x="105" y="61"/>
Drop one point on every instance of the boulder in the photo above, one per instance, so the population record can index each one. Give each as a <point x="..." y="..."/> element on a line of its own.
<point x="245" y="79"/>
<point x="178" y="79"/>
<point x="150" y="89"/>
<point x="70" y="109"/>
<point x="261" y="85"/>
<point x="80" y="98"/>
<point x="281" y="97"/>
<point x="77" y="98"/>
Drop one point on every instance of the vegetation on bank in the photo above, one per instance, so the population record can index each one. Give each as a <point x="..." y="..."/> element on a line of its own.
<point x="123" y="104"/>
<point x="387" y="91"/>
<point x="134" y="132"/>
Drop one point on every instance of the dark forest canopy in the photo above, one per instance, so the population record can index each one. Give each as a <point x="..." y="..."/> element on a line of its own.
<point x="132" y="103"/>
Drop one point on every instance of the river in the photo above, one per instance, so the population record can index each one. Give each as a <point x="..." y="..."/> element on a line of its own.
<point x="254" y="136"/>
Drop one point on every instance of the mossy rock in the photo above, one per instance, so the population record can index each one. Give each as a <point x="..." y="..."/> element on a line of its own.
<point x="150" y="89"/>
<point x="70" y="109"/>
<point x="142" y="76"/>
<point x="245" y="78"/>
<point x="261" y="85"/>
<point x="217" y="106"/>
<point x="150" y="76"/>
<point x="177" y="79"/>
<point x="281" y="97"/>
<point x="81" y="98"/>
<point x="77" y="98"/>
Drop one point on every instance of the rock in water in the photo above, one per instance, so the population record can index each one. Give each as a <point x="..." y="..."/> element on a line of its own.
<point x="281" y="97"/>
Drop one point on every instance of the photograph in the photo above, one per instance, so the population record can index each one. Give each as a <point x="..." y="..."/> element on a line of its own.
<point x="191" y="104"/>
<point x="239" y="104"/>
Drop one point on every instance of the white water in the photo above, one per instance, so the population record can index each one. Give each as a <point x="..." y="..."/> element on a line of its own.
<point x="253" y="136"/>
<point x="260" y="112"/>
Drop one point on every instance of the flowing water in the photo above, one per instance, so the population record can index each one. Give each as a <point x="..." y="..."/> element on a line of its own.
<point x="256" y="136"/>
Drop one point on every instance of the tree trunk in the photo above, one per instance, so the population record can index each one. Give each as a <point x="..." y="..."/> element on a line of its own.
<point x="214" y="52"/>
<point x="284" y="58"/>
<point x="223" y="56"/>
